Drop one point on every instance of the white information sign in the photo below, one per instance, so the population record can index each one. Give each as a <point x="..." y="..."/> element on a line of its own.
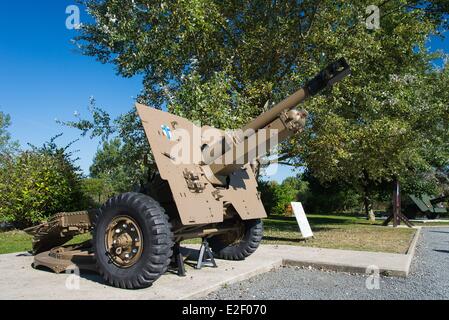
<point x="301" y="218"/>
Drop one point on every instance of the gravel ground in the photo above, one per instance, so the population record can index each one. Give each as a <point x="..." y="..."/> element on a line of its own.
<point x="428" y="279"/>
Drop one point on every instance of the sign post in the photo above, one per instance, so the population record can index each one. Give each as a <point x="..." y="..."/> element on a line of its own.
<point x="301" y="218"/>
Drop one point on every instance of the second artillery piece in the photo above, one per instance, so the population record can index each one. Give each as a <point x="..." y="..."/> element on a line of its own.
<point x="213" y="197"/>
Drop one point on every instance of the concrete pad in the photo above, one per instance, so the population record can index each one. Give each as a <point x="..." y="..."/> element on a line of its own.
<point x="18" y="280"/>
<point x="419" y="220"/>
<point x="347" y="260"/>
<point x="425" y="220"/>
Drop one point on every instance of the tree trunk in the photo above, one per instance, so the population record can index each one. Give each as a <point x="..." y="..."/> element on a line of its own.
<point x="368" y="208"/>
<point x="367" y="201"/>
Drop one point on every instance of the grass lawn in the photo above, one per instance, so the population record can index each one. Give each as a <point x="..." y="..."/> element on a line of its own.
<point x="339" y="232"/>
<point x="14" y="241"/>
<point x="19" y="241"/>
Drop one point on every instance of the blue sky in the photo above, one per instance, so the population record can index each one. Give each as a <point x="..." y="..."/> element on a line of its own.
<point x="43" y="78"/>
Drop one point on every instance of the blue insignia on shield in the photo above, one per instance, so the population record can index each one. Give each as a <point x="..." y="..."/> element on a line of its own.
<point x="166" y="131"/>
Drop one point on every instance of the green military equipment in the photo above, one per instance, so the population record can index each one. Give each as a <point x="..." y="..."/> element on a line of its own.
<point x="424" y="205"/>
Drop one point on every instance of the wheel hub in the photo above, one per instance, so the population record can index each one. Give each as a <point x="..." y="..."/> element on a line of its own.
<point x="123" y="241"/>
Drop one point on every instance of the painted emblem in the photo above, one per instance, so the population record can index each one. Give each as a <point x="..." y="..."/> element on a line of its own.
<point x="166" y="131"/>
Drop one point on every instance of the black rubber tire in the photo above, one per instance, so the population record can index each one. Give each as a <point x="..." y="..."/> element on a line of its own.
<point x="432" y="215"/>
<point x="157" y="241"/>
<point x="411" y="211"/>
<point x="244" y="248"/>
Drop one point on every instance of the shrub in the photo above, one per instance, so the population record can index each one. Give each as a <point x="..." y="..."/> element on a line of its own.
<point x="276" y="197"/>
<point x="36" y="184"/>
<point x="267" y="190"/>
<point x="97" y="190"/>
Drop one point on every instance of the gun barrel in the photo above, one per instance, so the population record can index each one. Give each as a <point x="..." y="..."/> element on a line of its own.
<point x="439" y="199"/>
<point x="274" y="112"/>
<point x="326" y="78"/>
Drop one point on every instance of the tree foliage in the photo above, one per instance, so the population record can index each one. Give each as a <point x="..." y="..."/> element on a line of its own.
<point x="219" y="62"/>
<point x="97" y="190"/>
<point x="390" y="118"/>
<point x="37" y="183"/>
<point x="110" y="164"/>
<point x="277" y="197"/>
<point x="258" y="44"/>
<point x="328" y="197"/>
<point x="6" y="144"/>
<point x="124" y="151"/>
<point x="315" y="197"/>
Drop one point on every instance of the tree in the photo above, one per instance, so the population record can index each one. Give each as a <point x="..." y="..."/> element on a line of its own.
<point x="97" y="189"/>
<point x="389" y="120"/>
<point x="329" y="197"/>
<point x="218" y="62"/>
<point x="6" y="145"/>
<point x="276" y="197"/>
<point x="267" y="191"/>
<point x="110" y="165"/>
<point x="124" y="157"/>
<point x="257" y="44"/>
<point x="38" y="183"/>
<point x="252" y="42"/>
<point x="405" y="138"/>
<point x="285" y="193"/>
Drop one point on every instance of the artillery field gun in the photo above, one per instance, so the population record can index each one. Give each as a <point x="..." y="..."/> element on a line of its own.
<point x="205" y="188"/>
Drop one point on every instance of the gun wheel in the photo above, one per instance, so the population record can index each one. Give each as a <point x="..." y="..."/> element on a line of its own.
<point x="123" y="241"/>
<point x="132" y="241"/>
<point x="238" y="245"/>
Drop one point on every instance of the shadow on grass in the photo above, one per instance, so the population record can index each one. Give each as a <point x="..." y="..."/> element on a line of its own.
<point x="318" y="229"/>
<point x="316" y="221"/>
<point x="270" y="238"/>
